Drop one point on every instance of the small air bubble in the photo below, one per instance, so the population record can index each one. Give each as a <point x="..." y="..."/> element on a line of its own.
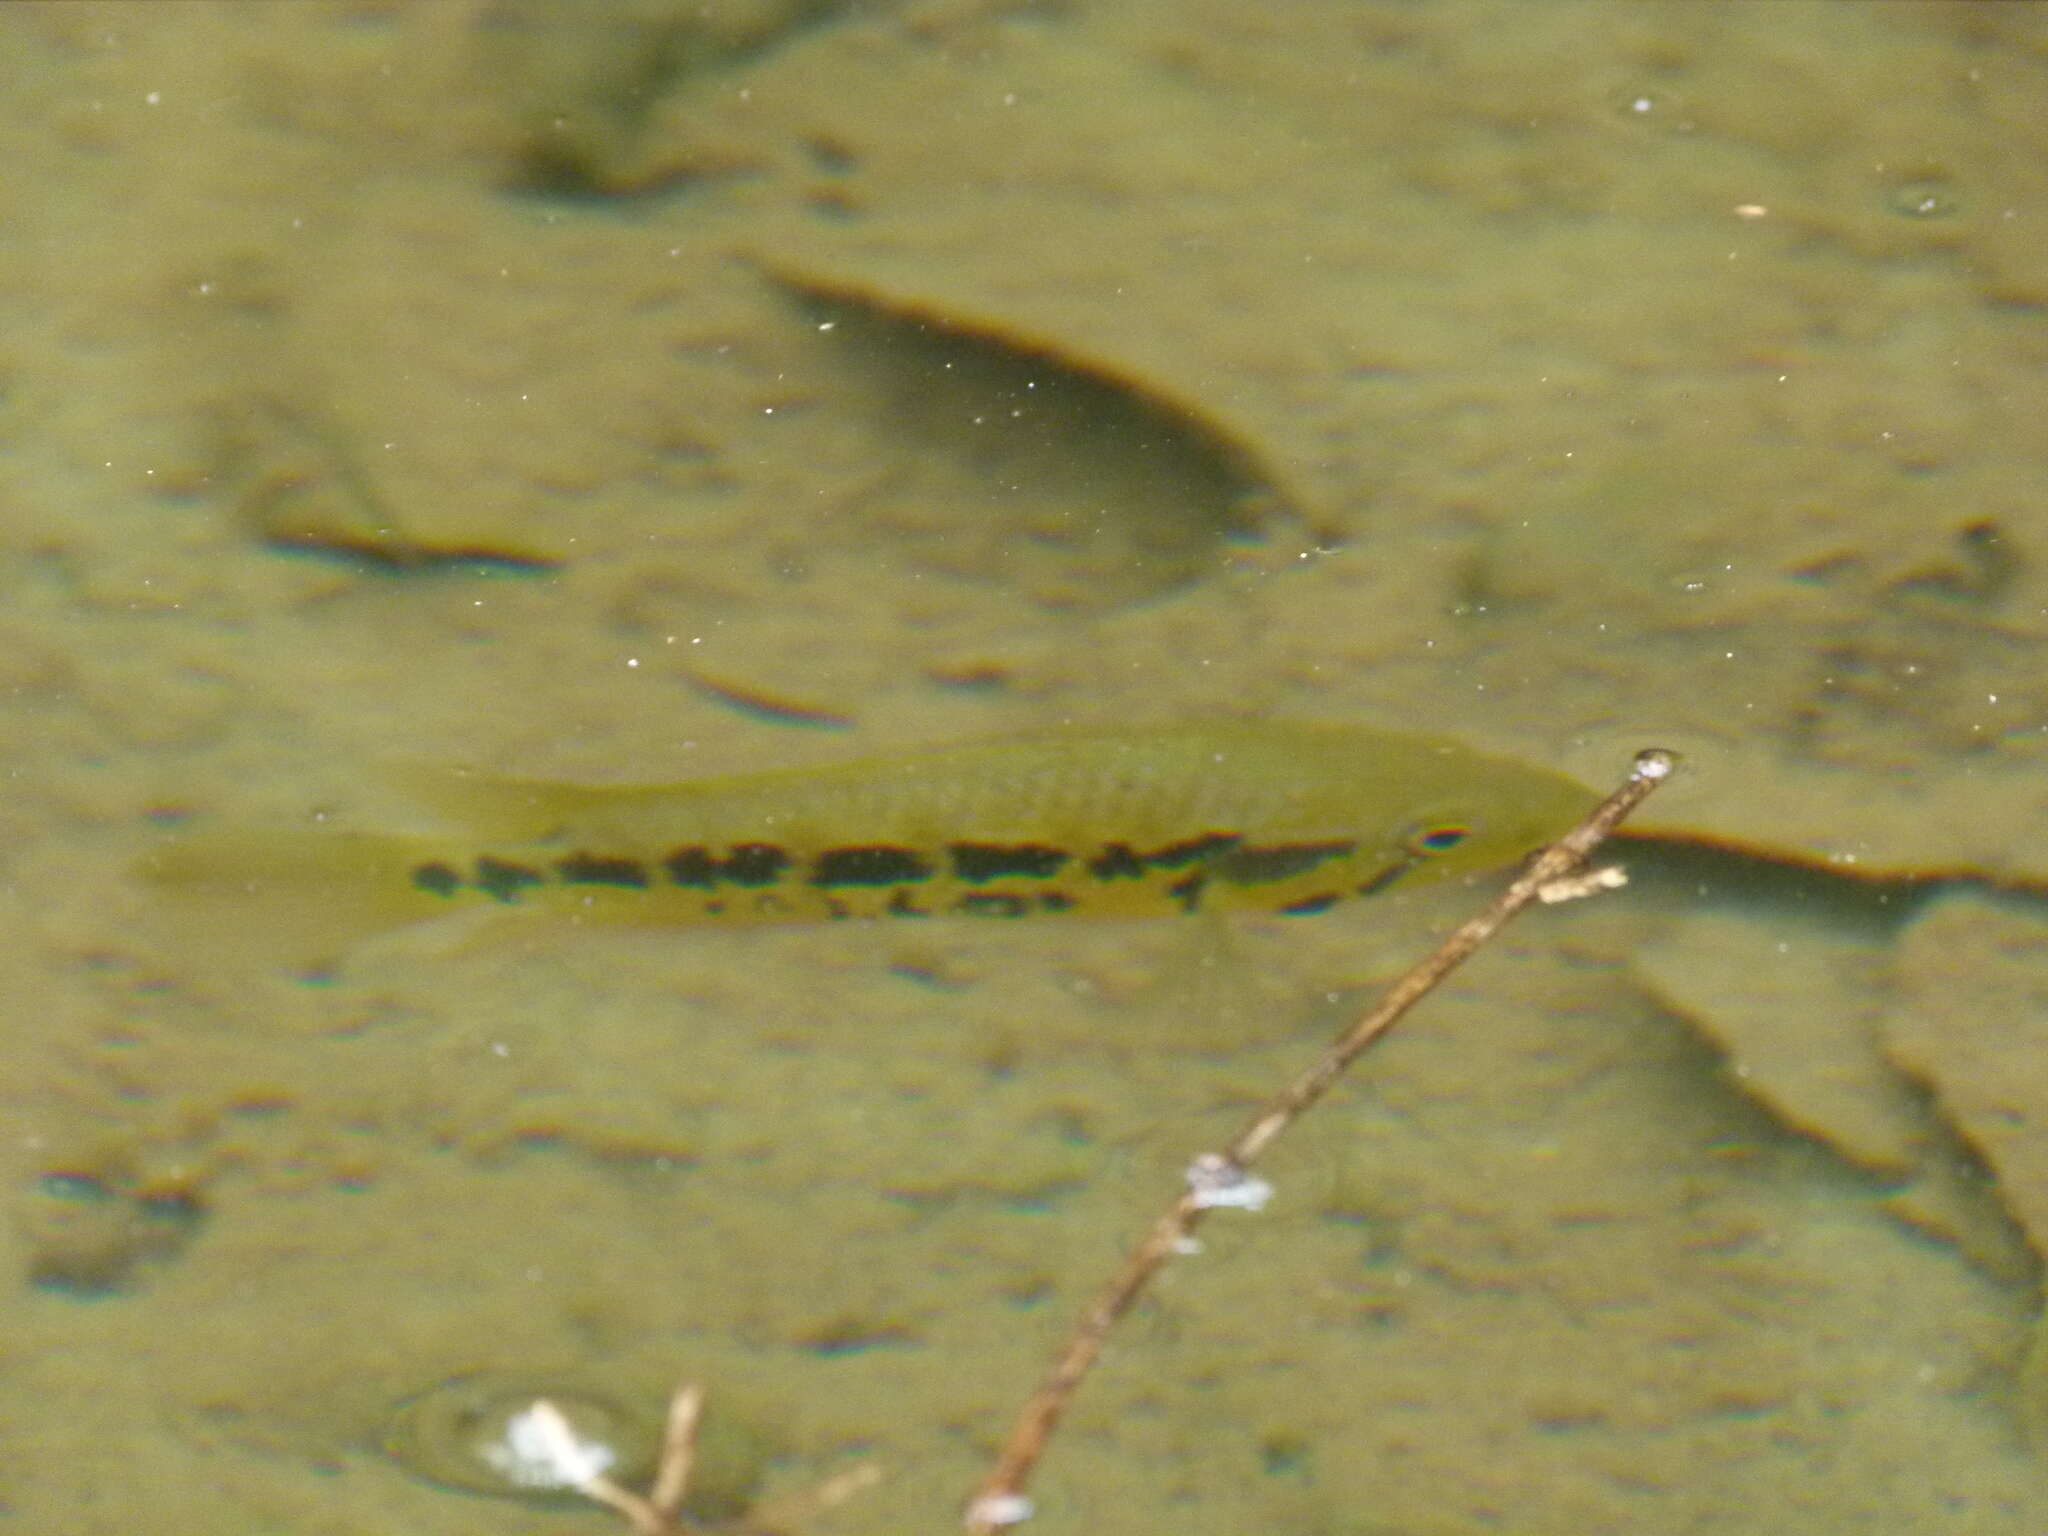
<point x="1924" y="197"/>
<point x="1655" y="763"/>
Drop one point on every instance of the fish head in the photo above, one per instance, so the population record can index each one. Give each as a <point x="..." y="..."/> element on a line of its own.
<point x="1487" y="821"/>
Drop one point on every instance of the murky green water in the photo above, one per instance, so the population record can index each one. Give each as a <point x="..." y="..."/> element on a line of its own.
<point x="638" y="392"/>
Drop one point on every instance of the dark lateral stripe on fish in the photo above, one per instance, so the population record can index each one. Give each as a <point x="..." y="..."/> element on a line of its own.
<point x="503" y="880"/>
<point x="692" y="867"/>
<point x="1120" y="861"/>
<point x="592" y="869"/>
<point x="747" y="864"/>
<point x="437" y="878"/>
<point x="880" y="864"/>
<point x="756" y="866"/>
<point x="751" y="865"/>
<point x="1267" y="863"/>
<point x="978" y="863"/>
<point x="1196" y="850"/>
<point x="1117" y="862"/>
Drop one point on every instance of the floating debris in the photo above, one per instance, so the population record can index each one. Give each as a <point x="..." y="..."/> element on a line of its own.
<point x="466" y="1433"/>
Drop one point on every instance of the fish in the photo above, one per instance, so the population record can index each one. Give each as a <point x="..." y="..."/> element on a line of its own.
<point x="1290" y="818"/>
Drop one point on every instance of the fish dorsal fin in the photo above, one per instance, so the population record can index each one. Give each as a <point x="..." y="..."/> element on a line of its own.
<point x="499" y="808"/>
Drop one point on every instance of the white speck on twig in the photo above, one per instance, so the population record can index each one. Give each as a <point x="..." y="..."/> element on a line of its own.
<point x="1000" y="1509"/>
<point x="1590" y="882"/>
<point x="1217" y="1183"/>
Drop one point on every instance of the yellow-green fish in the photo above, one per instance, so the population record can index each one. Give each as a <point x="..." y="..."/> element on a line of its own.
<point x="1287" y="818"/>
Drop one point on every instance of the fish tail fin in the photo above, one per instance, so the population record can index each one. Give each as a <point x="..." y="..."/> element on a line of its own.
<point x="282" y="901"/>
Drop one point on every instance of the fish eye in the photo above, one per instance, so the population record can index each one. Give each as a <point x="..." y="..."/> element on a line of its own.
<point x="1441" y="838"/>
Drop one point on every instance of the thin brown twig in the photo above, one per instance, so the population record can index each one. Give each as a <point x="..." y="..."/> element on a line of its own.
<point x="678" y="1452"/>
<point x="793" y="1510"/>
<point x="636" y="1511"/>
<point x="1219" y="1178"/>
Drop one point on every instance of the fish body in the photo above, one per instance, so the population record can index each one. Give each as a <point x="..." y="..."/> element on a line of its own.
<point x="1287" y="818"/>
